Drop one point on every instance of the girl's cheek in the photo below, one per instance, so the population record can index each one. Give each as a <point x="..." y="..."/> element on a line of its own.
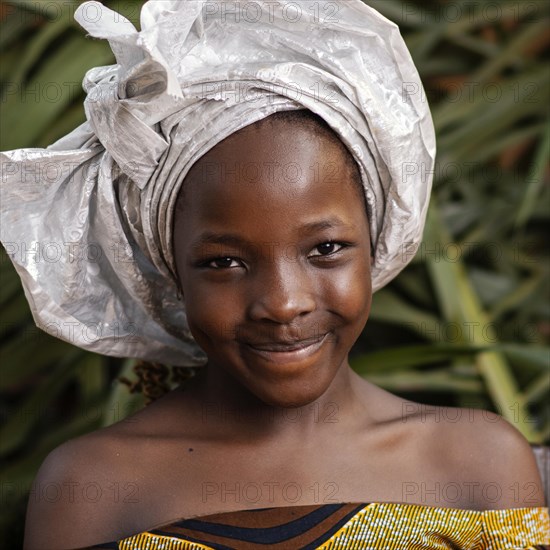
<point x="349" y="291"/>
<point x="213" y="313"/>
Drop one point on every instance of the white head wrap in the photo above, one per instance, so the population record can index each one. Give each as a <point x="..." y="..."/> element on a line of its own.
<point x="87" y="221"/>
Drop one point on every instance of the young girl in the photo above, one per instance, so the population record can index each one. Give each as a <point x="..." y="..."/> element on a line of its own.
<point x="260" y="215"/>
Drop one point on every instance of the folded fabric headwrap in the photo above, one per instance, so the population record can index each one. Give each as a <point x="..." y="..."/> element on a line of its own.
<point x="87" y="221"/>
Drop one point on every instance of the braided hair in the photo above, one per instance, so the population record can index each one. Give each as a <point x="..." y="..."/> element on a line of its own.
<point x="155" y="379"/>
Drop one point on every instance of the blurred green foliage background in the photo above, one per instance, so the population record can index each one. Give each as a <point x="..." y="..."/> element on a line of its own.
<point x="466" y="324"/>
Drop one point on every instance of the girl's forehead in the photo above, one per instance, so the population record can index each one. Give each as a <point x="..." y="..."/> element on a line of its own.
<point x="271" y="153"/>
<point x="271" y="178"/>
<point x="259" y="200"/>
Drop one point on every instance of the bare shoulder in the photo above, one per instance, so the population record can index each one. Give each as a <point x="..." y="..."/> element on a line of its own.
<point x="488" y="457"/>
<point x="97" y="487"/>
<point x="80" y="488"/>
<point x="508" y="462"/>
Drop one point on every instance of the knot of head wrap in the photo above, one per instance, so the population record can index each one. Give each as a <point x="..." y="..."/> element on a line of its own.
<point x="197" y="72"/>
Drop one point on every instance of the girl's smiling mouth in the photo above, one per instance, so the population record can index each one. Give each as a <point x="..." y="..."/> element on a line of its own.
<point x="288" y="352"/>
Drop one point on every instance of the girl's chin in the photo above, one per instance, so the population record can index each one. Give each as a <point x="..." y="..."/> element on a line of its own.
<point x="290" y="395"/>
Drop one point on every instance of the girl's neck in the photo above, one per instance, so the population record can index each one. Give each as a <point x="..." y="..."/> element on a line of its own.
<point x="228" y="409"/>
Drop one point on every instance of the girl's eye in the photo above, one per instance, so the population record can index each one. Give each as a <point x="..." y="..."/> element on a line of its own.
<point x="328" y="248"/>
<point x="222" y="263"/>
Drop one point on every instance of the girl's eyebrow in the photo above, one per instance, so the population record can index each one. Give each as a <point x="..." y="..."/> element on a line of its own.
<point x="209" y="237"/>
<point x="232" y="239"/>
<point x="329" y="223"/>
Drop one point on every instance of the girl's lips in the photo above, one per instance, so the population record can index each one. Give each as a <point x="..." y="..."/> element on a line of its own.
<point x="288" y="353"/>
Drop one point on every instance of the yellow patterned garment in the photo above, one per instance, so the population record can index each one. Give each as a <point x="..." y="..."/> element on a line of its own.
<point x="384" y="526"/>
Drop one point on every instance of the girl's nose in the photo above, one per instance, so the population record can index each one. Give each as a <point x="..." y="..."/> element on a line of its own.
<point x="281" y="294"/>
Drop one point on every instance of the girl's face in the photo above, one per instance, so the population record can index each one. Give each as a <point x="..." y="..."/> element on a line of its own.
<point x="272" y="249"/>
